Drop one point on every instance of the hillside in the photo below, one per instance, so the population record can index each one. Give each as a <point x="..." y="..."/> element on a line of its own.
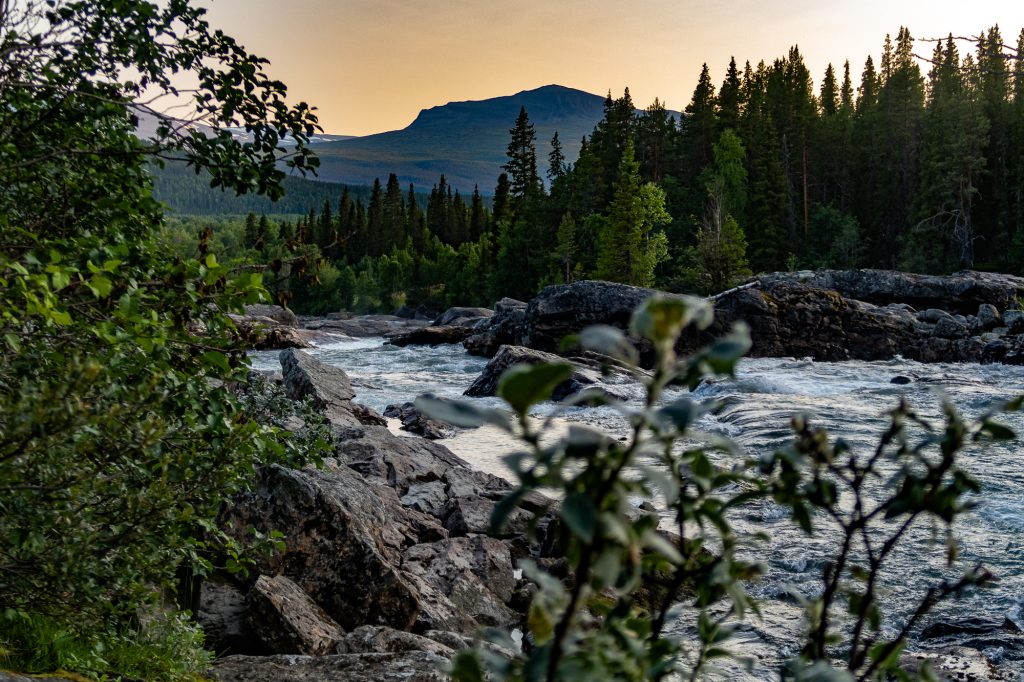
<point x="465" y="141"/>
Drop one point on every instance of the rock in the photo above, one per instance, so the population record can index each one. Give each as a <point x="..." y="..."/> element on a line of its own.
<point x="420" y="312"/>
<point x="368" y="415"/>
<point x="289" y="622"/>
<point x="377" y="639"/>
<point x="363" y="326"/>
<point x="413" y="421"/>
<point x="988" y="317"/>
<point x="506" y="326"/>
<point x="344" y="540"/>
<point x="395" y="461"/>
<point x="563" y="309"/>
<point x="431" y="336"/>
<point x="463" y="317"/>
<point x="950" y="328"/>
<point x="961" y="292"/>
<point x="222" y="610"/>
<point x="466" y="515"/>
<point x="1014" y="320"/>
<point x="406" y="666"/>
<point x="280" y="315"/>
<point x="933" y="315"/>
<point x="327" y="386"/>
<point x="264" y="333"/>
<point x="474" y="574"/>
<point x="509" y="356"/>
<point x="971" y="625"/>
<point x="900" y="380"/>
<point x="429" y="498"/>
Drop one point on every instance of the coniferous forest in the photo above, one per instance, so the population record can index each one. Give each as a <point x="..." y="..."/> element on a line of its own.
<point x="889" y="165"/>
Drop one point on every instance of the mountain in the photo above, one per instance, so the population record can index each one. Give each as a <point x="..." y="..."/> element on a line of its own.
<point x="465" y="141"/>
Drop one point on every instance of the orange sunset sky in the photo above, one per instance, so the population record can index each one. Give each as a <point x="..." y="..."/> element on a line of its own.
<point x="371" y="65"/>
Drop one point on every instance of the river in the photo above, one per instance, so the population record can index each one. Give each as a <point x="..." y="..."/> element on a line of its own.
<point x="851" y="399"/>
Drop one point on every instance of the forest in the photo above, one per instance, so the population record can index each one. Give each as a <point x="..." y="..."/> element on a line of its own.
<point x="894" y="168"/>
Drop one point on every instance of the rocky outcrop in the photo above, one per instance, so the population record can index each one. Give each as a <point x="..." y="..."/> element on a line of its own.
<point x="961" y="292"/>
<point x="287" y="621"/>
<point x="509" y="356"/>
<point x="462" y="317"/>
<point x="281" y="316"/>
<point x="504" y="327"/>
<point x="431" y="336"/>
<point x="385" y="567"/>
<point x="414" y="421"/>
<point x="264" y="333"/>
<point x="361" y="326"/>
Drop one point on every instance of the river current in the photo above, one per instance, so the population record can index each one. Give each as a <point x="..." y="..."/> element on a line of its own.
<point x="851" y="399"/>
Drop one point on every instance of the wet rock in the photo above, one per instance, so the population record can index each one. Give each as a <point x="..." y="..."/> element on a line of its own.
<point x="900" y="380"/>
<point x="988" y="317"/>
<point x="344" y="539"/>
<point x="413" y="421"/>
<point x="362" y="326"/>
<point x="509" y="356"/>
<point x="431" y="336"/>
<point x="407" y="666"/>
<point x="287" y="621"/>
<point x="222" y="609"/>
<point x="368" y="415"/>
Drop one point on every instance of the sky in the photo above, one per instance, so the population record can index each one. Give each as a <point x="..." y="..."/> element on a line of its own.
<point x="372" y="65"/>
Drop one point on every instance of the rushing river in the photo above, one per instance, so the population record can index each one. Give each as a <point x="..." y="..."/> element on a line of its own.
<point x="851" y="399"/>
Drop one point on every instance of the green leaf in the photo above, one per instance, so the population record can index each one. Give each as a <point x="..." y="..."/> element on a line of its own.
<point x="525" y="385"/>
<point x="609" y="341"/>
<point x="580" y="516"/>
<point x="461" y="413"/>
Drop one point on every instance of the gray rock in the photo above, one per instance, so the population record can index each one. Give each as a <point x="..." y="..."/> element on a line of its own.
<point x="344" y="540"/>
<point x="362" y="326"/>
<point x="327" y="386"/>
<point x="280" y="315"/>
<point x="462" y="316"/>
<point x="398" y="462"/>
<point x="933" y="315"/>
<point x="406" y="666"/>
<point x="509" y="356"/>
<point x="432" y="336"/>
<point x="506" y="326"/>
<point x="472" y="515"/>
<point x="988" y="317"/>
<point x="951" y="328"/>
<point x="377" y="639"/>
<point x="1014" y="320"/>
<point x="264" y="333"/>
<point x="287" y="621"/>
<point x="474" y="575"/>
<point x="429" y="498"/>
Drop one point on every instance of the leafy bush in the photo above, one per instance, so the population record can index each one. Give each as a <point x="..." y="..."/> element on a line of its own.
<point x="119" y="437"/>
<point x="629" y="574"/>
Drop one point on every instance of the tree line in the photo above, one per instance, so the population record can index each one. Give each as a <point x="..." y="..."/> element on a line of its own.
<point x="906" y="169"/>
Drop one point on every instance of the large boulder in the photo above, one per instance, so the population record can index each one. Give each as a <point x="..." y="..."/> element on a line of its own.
<point x="563" y="309"/>
<point x="280" y="315"/>
<point x="509" y="356"/>
<point x="287" y="621"/>
<point x="363" y="326"/>
<point x="406" y="666"/>
<point x="344" y="541"/>
<point x="327" y="386"/>
<point x="222" y="616"/>
<point x="960" y="292"/>
<point x="264" y="333"/>
<point x="506" y="326"/>
<point x="432" y="336"/>
<point x="462" y="317"/>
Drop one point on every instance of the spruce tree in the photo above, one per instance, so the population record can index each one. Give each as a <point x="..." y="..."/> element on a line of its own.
<point x="556" y="160"/>
<point x="522" y="159"/>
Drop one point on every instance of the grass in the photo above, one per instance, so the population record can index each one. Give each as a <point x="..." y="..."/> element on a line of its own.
<point x="166" y="649"/>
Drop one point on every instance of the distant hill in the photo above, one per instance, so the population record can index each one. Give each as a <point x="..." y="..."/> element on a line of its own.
<point x="465" y="141"/>
<point x="186" y="193"/>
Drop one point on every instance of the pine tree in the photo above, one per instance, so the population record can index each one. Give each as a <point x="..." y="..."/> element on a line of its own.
<point x="375" y="245"/>
<point x="556" y="160"/>
<point x="478" y="224"/>
<point x="655" y="129"/>
<point x="250" y="236"/>
<point x="566" y="251"/>
<point x="729" y="101"/>
<point x="522" y="159"/>
<point x="394" y="218"/>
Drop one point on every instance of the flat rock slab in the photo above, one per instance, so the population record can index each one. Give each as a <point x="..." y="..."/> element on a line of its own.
<point x="406" y="666"/>
<point x="287" y="621"/>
